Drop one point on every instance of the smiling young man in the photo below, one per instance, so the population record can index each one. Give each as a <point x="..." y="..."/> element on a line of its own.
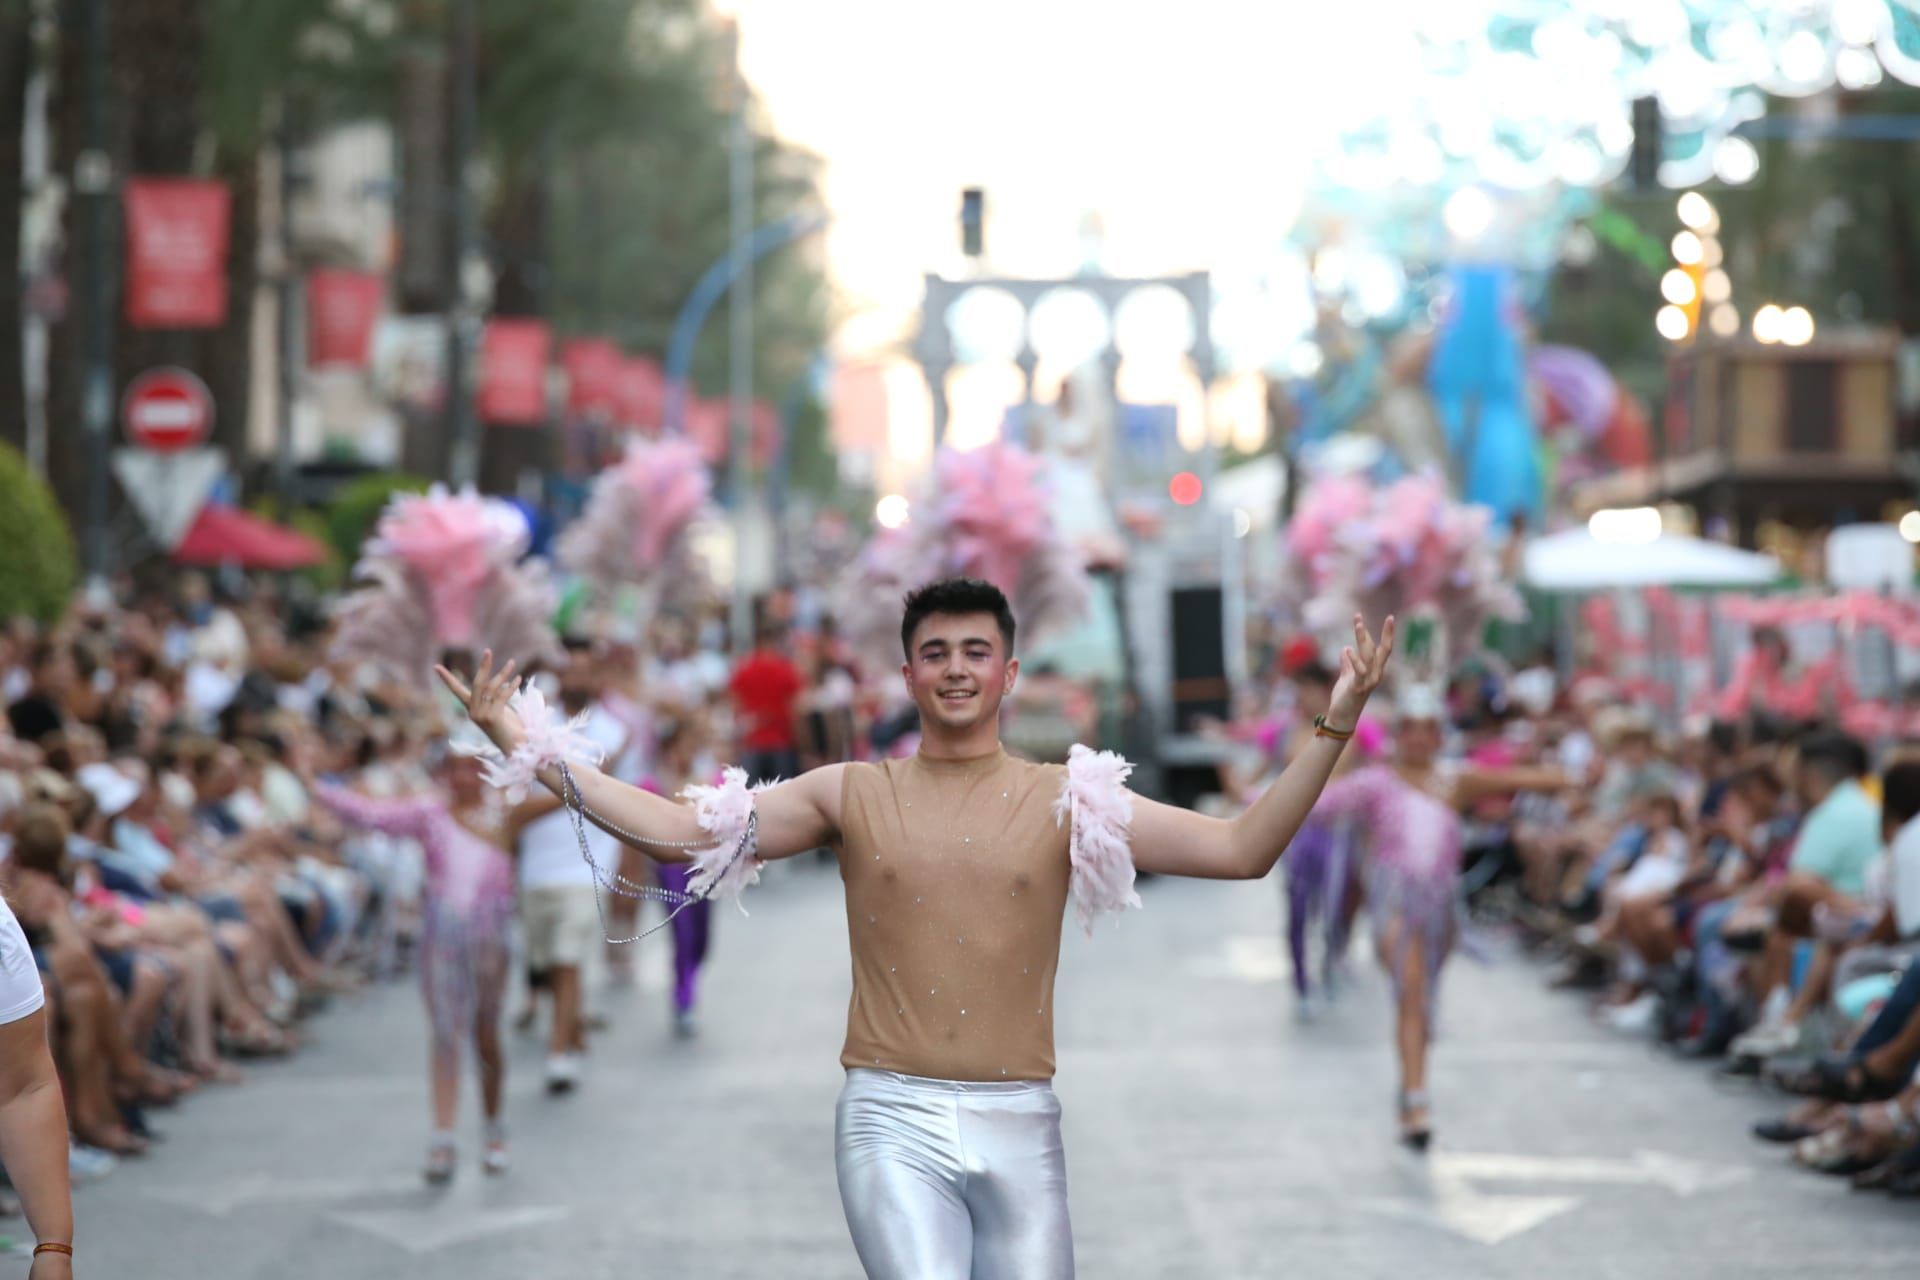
<point x="958" y="863"/>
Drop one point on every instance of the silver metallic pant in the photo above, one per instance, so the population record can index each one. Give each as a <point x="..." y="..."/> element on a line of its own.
<point x="953" y="1180"/>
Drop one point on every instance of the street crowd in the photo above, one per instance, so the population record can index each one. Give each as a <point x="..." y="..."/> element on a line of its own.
<point x="198" y="830"/>
<point x="1741" y="886"/>
<point x="211" y="831"/>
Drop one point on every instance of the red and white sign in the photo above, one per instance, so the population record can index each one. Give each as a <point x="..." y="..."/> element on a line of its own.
<point x="593" y="368"/>
<point x="166" y="410"/>
<point x="177" y="253"/>
<point x="640" y="394"/>
<point x="342" y="309"/>
<point x="169" y="489"/>
<point x="513" y="372"/>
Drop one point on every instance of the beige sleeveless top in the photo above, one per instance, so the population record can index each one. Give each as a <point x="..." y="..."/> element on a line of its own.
<point x="956" y="877"/>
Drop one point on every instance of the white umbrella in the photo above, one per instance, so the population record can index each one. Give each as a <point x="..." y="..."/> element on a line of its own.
<point x="1577" y="561"/>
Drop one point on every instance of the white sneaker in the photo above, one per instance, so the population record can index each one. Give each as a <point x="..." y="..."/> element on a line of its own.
<point x="1636" y="1017"/>
<point x="563" y="1072"/>
<point x="1768" y="1040"/>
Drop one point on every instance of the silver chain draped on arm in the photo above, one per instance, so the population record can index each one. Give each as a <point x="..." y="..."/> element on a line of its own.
<point x="614" y="882"/>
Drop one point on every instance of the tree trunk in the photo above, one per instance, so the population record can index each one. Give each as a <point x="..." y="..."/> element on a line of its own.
<point x="15" y="64"/>
<point x="225" y="355"/>
<point x="421" y="103"/>
<point x="159" y="62"/>
<point x="66" y="438"/>
<point x="421" y="106"/>
<point x="160" y="54"/>
<point x="517" y="233"/>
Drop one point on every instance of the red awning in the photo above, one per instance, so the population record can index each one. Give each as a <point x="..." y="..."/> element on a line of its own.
<point x="223" y="535"/>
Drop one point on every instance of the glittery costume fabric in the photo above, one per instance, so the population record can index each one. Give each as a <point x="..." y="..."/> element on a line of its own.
<point x="1319" y="886"/>
<point x="956" y="877"/>
<point x="1411" y="842"/>
<point x="464" y="950"/>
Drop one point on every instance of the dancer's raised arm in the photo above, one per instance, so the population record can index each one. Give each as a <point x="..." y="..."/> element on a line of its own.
<point x="792" y="817"/>
<point x="1179" y="842"/>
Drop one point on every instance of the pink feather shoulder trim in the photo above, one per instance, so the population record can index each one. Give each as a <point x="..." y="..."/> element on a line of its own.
<point x="726" y="868"/>
<point x="1096" y="801"/>
<point x="549" y="739"/>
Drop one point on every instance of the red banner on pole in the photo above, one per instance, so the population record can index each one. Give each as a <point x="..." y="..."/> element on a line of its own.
<point x="513" y="372"/>
<point x="342" y="309"/>
<point x="640" y="394"/>
<point x="593" y="368"/>
<point x="177" y="253"/>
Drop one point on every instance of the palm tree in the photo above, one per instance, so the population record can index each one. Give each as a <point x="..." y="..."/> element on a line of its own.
<point x="15" y="64"/>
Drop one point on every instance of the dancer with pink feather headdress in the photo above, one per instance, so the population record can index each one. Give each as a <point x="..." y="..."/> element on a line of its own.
<point x="982" y="514"/>
<point x="634" y="536"/>
<point x="958" y="863"/>
<point x="634" y="531"/>
<point x="444" y="573"/>
<point x="1391" y="831"/>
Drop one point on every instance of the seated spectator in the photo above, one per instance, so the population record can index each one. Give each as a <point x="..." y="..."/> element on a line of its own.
<point x="100" y="1068"/>
<point x="1826" y="879"/>
<point x="42" y="711"/>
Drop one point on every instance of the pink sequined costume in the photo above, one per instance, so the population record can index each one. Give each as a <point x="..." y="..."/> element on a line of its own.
<point x="464" y="948"/>
<point x="1410" y="841"/>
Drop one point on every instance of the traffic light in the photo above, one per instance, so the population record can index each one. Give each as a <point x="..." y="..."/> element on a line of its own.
<point x="1184" y="489"/>
<point x="1649" y="129"/>
<point x="973" y="218"/>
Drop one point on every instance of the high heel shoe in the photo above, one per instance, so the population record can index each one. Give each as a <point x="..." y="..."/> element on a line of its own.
<point x="493" y="1155"/>
<point x="441" y="1157"/>
<point x="1416" y="1136"/>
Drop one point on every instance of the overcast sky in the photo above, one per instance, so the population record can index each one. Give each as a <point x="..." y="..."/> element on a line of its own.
<point x="1189" y="129"/>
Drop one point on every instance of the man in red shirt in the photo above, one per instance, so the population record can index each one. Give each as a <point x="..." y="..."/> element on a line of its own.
<point x="766" y="689"/>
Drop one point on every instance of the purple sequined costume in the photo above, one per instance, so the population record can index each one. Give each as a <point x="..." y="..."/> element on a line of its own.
<point x="1412" y="845"/>
<point x="692" y="924"/>
<point x="1319" y="888"/>
<point x="464" y="948"/>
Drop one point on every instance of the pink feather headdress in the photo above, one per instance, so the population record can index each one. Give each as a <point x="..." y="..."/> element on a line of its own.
<point x="983" y="514"/>
<point x="444" y="571"/>
<point x="1407" y="549"/>
<point x="634" y="528"/>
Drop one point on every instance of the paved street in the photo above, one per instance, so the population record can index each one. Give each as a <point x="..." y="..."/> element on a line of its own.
<point x="1208" y="1135"/>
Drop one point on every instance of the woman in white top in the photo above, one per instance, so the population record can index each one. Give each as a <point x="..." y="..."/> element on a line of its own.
<point x="33" y="1118"/>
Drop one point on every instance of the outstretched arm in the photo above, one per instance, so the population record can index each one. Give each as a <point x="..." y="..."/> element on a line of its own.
<point x="1476" y="783"/>
<point x="398" y="816"/>
<point x="793" y="817"/>
<point x="1179" y="842"/>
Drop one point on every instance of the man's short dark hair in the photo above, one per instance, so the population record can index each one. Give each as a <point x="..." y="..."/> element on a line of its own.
<point x="953" y="596"/>
<point x="1314" y="671"/>
<point x="1900" y="793"/>
<point x="1838" y="757"/>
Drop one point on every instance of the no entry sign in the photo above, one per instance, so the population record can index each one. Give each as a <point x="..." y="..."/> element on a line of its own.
<point x="166" y="410"/>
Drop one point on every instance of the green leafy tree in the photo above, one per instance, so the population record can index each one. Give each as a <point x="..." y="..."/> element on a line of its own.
<point x="353" y="513"/>
<point x="37" y="572"/>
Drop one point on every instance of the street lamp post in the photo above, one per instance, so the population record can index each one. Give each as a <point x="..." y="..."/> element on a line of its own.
<point x="462" y="426"/>
<point x="742" y="492"/>
<point x="93" y="180"/>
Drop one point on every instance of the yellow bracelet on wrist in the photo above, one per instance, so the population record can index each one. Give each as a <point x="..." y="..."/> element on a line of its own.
<point x="1321" y="729"/>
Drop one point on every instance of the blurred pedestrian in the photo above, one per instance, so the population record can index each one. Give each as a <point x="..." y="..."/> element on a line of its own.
<point x="767" y="689"/>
